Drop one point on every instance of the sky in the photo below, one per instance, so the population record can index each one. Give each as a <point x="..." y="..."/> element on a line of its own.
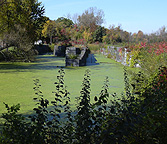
<point x="132" y="15"/>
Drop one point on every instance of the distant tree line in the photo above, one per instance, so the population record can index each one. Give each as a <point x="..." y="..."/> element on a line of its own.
<point x="22" y="22"/>
<point x="88" y="28"/>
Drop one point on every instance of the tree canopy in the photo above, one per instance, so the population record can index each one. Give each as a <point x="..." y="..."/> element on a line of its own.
<point x="21" y="24"/>
<point x="26" y="13"/>
<point x="67" y="22"/>
<point x="91" y="18"/>
<point x="49" y="29"/>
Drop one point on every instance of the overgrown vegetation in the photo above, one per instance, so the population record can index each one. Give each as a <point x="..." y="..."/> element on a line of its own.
<point x="87" y="29"/>
<point x="21" y="24"/>
<point x="107" y="120"/>
<point x="152" y="59"/>
<point x="139" y="116"/>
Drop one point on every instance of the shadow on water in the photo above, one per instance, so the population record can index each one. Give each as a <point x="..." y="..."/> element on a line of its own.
<point x="43" y="58"/>
<point x="43" y="62"/>
<point x="91" y="60"/>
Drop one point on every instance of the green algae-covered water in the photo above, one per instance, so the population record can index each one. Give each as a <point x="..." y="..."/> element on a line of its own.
<point x="16" y="79"/>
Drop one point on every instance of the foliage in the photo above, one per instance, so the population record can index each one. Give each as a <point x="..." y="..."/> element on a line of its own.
<point x="142" y="81"/>
<point x="63" y="34"/>
<point x="95" y="47"/>
<point x="133" y="58"/>
<point x="52" y="46"/>
<point x="65" y="21"/>
<point x="21" y="23"/>
<point x="149" y="56"/>
<point x="91" y="18"/>
<point x="13" y="54"/>
<point x="14" y="126"/>
<point x="126" y="120"/>
<point x="76" y="33"/>
<point x="79" y="43"/>
<point x="98" y="34"/>
<point x="73" y="56"/>
<point x="18" y="38"/>
<point x="27" y="14"/>
<point x="83" y="118"/>
<point x="88" y="27"/>
<point x="22" y="46"/>
<point x="87" y="36"/>
<point x="115" y="35"/>
<point x="49" y="29"/>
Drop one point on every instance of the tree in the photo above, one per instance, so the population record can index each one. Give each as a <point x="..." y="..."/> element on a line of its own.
<point x="75" y="18"/>
<point x="18" y="38"/>
<point x="140" y="35"/>
<point x="98" y="34"/>
<point x="162" y="34"/>
<point x="21" y="23"/>
<point x="87" y="35"/>
<point x="65" y="21"/>
<point x="113" y="35"/>
<point x="62" y="32"/>
<point x="26" y="13"/>
<point x="49" y="29"/>
<point x="91" y="18"/>
<point x="125" y="36"/>
<point x="134" y="37"/>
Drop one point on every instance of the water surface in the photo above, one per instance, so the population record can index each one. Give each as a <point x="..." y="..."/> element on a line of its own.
<point x="16" y="79"/>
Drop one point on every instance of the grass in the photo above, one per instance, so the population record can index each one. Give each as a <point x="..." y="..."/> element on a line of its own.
<point x="16" y="79"/>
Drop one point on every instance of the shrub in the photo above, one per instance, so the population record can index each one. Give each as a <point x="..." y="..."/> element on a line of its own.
<point x="108" y="120"/>
<point x="73" y="56"/>
<point x="52" y="46"/>
<point x="95" y="47"/>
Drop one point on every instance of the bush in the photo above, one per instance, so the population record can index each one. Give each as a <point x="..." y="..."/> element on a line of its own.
<point x="52" y="46"/>
<point x="2" y="56"/>
<point x="107" y="120"/>
<point x="95" y="47"/>
<point x="15" y="54"/>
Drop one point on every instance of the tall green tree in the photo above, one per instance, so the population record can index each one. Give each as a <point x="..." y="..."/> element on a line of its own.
<point x="98" y="34"/>
<point x="49" y="29"/>
<point x="67" y="22"/>
<point x="26" y="13"/>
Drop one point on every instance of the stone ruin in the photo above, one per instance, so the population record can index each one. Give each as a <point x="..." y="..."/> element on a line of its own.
<point x="76" y="56"/>
<point x="116" y="55"/>
<point x="73" y="56"/>
<point x="60" y="51"/>
<point x="43" y="49"/>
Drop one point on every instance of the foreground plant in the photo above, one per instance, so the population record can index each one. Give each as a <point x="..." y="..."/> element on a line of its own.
<point x="108" y="119"/>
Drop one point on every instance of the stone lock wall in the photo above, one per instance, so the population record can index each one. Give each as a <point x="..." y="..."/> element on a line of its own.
<point x="76" y="56"/>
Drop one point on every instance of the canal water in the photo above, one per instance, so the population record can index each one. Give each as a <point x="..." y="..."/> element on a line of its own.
<point x="16" y="79"/>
